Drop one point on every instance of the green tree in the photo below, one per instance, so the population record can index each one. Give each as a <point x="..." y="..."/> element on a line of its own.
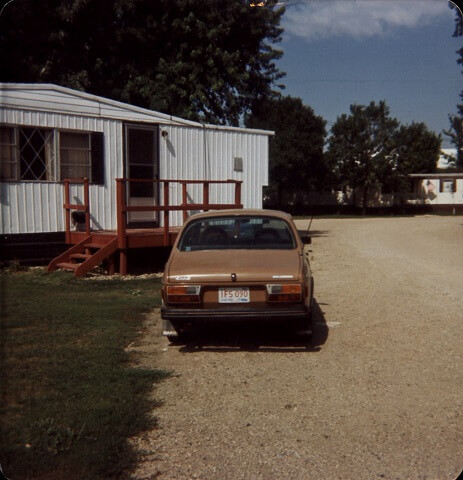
<point x="368" y="149"/>
<point x="204" y="60"/>
<point x="296" y="156"/>
<point x="416" y="150"/>
<point x="455" y="132"/>
<point x="361" y="148"/>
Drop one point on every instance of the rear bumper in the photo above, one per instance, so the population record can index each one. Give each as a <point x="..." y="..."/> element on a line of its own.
<point x="186" y="315"/>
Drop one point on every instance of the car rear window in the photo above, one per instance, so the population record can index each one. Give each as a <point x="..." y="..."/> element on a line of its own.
<point x="251" y="232"/>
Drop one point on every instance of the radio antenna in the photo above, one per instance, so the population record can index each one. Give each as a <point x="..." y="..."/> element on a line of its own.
<point x="310" y="223"/>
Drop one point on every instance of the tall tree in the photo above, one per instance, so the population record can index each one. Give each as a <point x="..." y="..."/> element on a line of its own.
<point x="361" y="147"/>
<point x="296" y="151"/>
<point x="416" y="150"/>
<point x="205" y="60"/>
<point x="369" y="149"/>
<point x="455" y="131"/>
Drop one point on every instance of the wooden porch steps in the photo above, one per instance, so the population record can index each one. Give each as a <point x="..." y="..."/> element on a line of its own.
<point x="67" y="266"/>
<point x="86" y="255"/>
<point x="80" y="256"/>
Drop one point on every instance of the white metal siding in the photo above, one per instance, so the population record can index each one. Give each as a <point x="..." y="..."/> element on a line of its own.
<point x="207" y="154"/>
<point x="442" y="198"/>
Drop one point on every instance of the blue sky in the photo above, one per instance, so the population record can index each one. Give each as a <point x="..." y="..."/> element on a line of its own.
<point x="340" y="52"/>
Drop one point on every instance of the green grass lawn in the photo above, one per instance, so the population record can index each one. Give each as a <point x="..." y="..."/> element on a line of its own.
<point x="70" y="398"/>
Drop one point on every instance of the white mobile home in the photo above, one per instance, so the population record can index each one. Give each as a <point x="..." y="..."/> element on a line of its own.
<point x="440" y="191"/>
<point x="50" y="133"/>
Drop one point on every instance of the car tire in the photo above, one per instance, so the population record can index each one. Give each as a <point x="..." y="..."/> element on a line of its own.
<point x="171" y="331"/>
<point x="173" y="338"/>
<point x="306" y="326"/>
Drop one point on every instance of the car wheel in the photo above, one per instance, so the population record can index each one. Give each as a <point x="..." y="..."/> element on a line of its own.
<point x="304" y="327"/>
<point x="173" y="338"/>
<point x="171" y="331"/>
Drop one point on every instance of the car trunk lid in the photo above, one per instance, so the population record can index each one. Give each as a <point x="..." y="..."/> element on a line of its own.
<point x="224" y="266"/>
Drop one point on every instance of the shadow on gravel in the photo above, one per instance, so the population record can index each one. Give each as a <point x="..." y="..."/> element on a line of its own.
<point x="258" y="338"/>
<point x="314" y="233"/>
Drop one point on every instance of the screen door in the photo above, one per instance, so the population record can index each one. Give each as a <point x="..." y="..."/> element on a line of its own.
<point x="142" y="162"/>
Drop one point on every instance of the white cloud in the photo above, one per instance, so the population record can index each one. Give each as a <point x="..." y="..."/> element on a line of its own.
<point x="315" y="19"/>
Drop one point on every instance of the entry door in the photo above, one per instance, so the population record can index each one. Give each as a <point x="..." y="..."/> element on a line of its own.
<point x="142" y="162"/>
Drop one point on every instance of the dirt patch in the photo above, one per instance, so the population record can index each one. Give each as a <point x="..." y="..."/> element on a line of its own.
<point x="377" y="393"/>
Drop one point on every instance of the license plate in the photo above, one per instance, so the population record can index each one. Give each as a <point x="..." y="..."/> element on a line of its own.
<point x="234" y="295"/>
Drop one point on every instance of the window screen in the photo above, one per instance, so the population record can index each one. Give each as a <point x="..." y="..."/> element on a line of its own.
<point x="75" y="155"/>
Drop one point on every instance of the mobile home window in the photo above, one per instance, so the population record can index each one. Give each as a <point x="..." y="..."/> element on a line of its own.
<point x="75" y="155"/>
<point x="40" y="154"/>
<point x="36" y="154"/>
<point x="26" y="153"/>
<point x="448" y="185"/>
<point x="81" y="155"/>
<point x="8" y="154"/>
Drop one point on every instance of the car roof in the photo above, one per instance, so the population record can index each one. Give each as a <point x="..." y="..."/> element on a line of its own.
<point x="241" y="212"/>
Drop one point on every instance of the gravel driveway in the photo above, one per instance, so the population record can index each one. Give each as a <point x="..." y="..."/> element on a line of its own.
<point x="377" y="393"/>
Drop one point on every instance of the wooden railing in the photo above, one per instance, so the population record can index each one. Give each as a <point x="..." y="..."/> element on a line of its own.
<point x="165" y="205"/>
<point x="83" y="207"/>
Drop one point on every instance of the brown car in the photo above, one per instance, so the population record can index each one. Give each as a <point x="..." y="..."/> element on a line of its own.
<point x="237" y="265"/>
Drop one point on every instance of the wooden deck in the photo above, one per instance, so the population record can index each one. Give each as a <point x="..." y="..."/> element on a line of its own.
<point x="90" y="248"/>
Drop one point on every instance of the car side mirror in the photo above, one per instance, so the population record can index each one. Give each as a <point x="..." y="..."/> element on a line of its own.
<point x="306" y="238"/>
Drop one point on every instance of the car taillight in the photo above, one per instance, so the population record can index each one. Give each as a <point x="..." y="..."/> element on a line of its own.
<point x="284" y="292"/>
<point x="183" y="294"/>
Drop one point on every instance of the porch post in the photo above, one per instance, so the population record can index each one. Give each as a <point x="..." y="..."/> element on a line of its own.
<point x="67" y="212"/>
<point x="87" y="206"/>
<point x="237" y="194"/>
<point x="184" y="201"/>
<point x="166" y="213"/>
<point x="206" y="196"/>
<point x="121" y="207"/>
